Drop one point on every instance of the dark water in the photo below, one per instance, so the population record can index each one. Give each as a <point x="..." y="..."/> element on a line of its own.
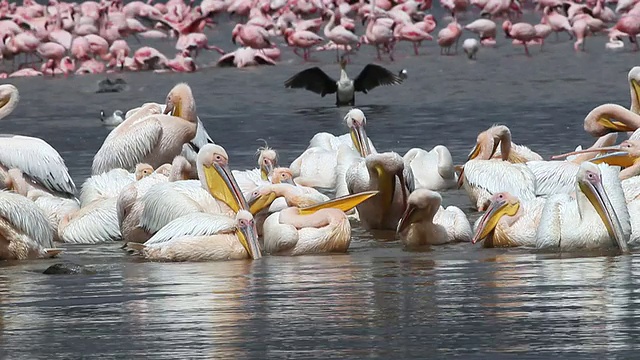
<point x="375" y="301"/>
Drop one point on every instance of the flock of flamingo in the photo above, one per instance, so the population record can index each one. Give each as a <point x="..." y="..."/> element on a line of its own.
<point x="91" y="37"/>
<point x="163" y="187"/>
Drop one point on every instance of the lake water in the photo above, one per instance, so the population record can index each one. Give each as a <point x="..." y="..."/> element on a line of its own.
<point x="375" y="301"/>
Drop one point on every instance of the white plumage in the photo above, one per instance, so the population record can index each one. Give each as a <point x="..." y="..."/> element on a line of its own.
<point x="92" y="224"/>
<point x="483" y="178"/>
<point x="433" y="169"/>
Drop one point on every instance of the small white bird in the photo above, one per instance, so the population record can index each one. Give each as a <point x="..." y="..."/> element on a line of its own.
<point x="112" y="121"/>
<point x="471" y="47"/>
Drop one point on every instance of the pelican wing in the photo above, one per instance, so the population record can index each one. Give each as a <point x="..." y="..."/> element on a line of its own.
<point x="497" y="176"/>
<point x="248" y="180"/>
<point x="105" y="185"/>
<point x="314" y="80"/>
<point x="128" y="144"/>
<point x="373" y="76"/>
<point x="37" y="159"/>
<point x="197" y="224"/>
<point x="554" y="177"/>
<point x="26" y="218"/>
<point x="93" y="224"/>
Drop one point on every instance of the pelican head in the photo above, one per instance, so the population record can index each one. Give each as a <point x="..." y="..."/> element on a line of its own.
<point x="214" y="172"/>
<point x="422" y="204"/>
<point x="143" y="170"/>
<point x="282" y="175"/>
<point x="356" y="122"/>
<point x="502" y="204"/>
<point x="624" y="155"/>
<point x="9" y="97"/>
<point x="180" y="169"/>
<point x="487" y="144"/>
<point x="608" y="118"/>
<point x="180" y="103"/>
<point x="164" y="169"/>
<point x="262" y="197"/>
<point x="267" y="160"/>
<point x="386" y="167"/>
<point x="634" y="85"/>
<point x="589" y="180"/>
<point x="247" y="233"/>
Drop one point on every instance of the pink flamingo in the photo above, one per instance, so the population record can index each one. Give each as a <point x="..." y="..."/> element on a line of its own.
<point x="182" y="63"/>
<point x="91" y="66"/>
<point x="251" y="35"/>
<point x="301" y="39"/>
<point x="411" y="33"/>
<point x="197" y="41"/>
<point x="580" y="29"/>
<point x="630" y="25"/>
<point x="523" y="32"/>
<point x="118" y="51"/>
<point x="51" y="52"/>
<point x="558" y="22"/>
<point x="338" y="34"/>
<point x="98" y="46"/>
<point x="65" y="67"/>
<point x="379" y="32"/>
<point x="449" y="36"/>
<point x="243" y="57"/>
<point x="485" y="28"/>
<point x="428" y="24"/>
<point x="148" y="57"/>
<point x="542" y="32"/>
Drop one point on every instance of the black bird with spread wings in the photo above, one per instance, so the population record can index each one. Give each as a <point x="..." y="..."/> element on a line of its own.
<point x="319" y="82"/>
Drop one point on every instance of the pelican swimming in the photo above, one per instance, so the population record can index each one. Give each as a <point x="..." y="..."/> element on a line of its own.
<point x="319" y="82"/>
<point x="509" y="222"/>
<point x="318" y="228"/>
<point x="426" y="222"/>
<point x="324" y="164"/>
<point x="250" y="179"/>
<point x="596" y="218"/>
<point x="217" y="238"/>
<point x="154" y="139"/>
<point x="25" y="232"/>
<point x="33" y="156"/>
<point x="433" y="169"/>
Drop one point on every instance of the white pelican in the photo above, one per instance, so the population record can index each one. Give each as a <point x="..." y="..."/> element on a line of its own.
<point x="166" y="202"/>
<point x="203" y="237"/>
<point x="323" y="165"/>
<point x="152" y="139"/>
<point x="33" y="156"/>
<point x="484" y="174"/>
<point x="608" y="118"/>
<point x="319" y="228"/>
<point x="250" y="179"/>
<point x="316" y="80"/>
<point x="426" y="222"/>
<point x="97" y="220"/>
<point x="508" y="222"/>
<point x="384" y="172"/>
<point x="433" y="169"/>
<point x="597" y="217"/>
<point x="24" y="230"/>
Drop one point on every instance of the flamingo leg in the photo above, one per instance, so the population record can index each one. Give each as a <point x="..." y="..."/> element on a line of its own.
<point x="526" y="49"/>
<point x="415" y="48"/>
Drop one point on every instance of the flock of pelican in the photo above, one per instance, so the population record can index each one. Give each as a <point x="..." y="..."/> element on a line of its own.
<point x="162" y="186"/>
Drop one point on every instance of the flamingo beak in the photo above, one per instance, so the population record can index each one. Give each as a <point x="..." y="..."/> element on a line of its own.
<point x="223" y="186"/>
<point x="248" y="236"/>
<point x="597" y="196"/>
<point x="494" y="213"/>
<point x="344" y="203"/>
<point x="258" y="202"/>
<point x="359" y="139"/>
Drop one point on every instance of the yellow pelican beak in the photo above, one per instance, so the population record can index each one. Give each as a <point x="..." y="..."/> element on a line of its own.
<point x="406" y="219"/>
<point x="461" y="177"/>
<point x="359" y="139"/>
<point x="266" y="169"/>
<point x="489" y="221"/>
<point x="248" y="236"/>
<point x="636" y="89"/>
<point x="223" y="186"/>
<point x="592" y="188"/>
<point x="344" y="203"/>
<point x="614" y="125"/>
<point x="173" y="109"/>
<point x="618" y="158"/>
<point x="260" y="201"/>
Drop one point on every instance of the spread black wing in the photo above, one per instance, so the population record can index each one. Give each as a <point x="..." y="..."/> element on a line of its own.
<point x="314" y="80"/>
<point x="373" y="76"/>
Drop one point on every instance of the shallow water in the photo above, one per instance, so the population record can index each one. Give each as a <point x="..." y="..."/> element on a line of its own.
<point x="375" y="301"/>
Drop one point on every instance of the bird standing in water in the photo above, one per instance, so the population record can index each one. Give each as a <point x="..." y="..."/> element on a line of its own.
<point x="319" y="82"/>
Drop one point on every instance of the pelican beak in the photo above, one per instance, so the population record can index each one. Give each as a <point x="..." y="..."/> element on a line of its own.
<point x="636" y="89"/>
<point x="266" y="169"/>
<point x="359" y="139"/>
<point x="461" y="177"/>
<point x="406" y="219"/>
<point x="403" y="187"/>
<point x="490" y="219"/>
<point x="289" y="181"/>
<point x="344" y="203"/>
<point x="594" y="191"/>
<point x="248" y="237"/>
<point x="474" y="152"/>
<point x="618" y="158"/>
<point x="172" y="109"/>
<point x="614" y="125"/>
<point x="223" y="186"/>
<point x="261" y="201"/>
<point x="586" y="151"/>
